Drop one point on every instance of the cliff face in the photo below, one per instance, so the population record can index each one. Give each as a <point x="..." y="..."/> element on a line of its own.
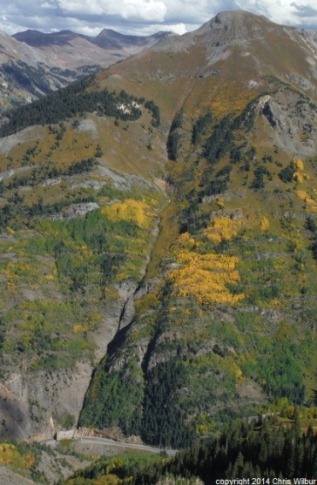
<point x="43" y="402"/>
<point x="158" y="245"/>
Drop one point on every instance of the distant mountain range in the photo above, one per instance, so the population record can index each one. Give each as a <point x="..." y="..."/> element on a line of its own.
<point x="33" y="63"/>
<point x="107" y="39"/>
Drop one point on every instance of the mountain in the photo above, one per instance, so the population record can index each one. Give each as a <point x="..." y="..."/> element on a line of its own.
<point x="110" y="39"/>
<point x="158" y="244"/>
<point x="106" y="39"/>
<point x="33" y="64"/>
<point x="26" y="73"/>
<point x="34" y="38"/>
<point x="68" y="48"/>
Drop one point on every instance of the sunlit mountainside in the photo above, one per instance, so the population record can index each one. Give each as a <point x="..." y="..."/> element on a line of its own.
<point x="159" y="240"/>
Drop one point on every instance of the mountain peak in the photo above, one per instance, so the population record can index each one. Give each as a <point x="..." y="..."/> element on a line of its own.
<point x="237" y="25"/>
<point x="238" y="17"/>
<point x="234" y="15"/>
<point x="35" y="38"/>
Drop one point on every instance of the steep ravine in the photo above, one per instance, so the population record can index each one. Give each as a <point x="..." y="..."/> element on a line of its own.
<point x="124" y="317"/>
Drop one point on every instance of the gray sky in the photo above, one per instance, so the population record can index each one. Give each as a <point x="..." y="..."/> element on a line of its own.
<point x="142" y="17"/>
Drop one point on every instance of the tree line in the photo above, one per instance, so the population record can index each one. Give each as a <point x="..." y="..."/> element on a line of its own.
<point x="245" y="450"/>
<point x="75" y="100"/>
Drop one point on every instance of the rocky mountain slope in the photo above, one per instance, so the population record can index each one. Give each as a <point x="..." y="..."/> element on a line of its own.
<point x="33" y="64"/>
<point x="158" y="245"/>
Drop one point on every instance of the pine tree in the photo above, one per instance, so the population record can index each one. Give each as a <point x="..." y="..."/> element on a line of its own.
<point x="238" y="466"/>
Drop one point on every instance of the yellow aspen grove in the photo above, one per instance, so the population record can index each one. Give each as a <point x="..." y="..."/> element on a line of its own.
<point x="206" y="277"/>
<point x="137" y="211"/>
<point x="223" y="229"/>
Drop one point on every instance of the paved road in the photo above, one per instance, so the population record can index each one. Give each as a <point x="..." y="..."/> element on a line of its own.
<point x="93" y="440"/>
